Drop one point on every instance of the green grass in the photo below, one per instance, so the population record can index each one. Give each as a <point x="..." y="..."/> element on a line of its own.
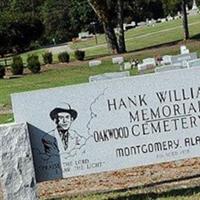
<point x="140" y="38"/>
<point x="179" y="194"/>
<point x="6" y="118"/>
<point x="51" y="78"/>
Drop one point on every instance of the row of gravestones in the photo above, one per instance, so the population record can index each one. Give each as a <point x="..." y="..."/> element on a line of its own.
<point x="184" y="60"/>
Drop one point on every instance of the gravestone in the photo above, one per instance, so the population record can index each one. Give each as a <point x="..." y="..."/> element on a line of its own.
<point x="150" y="61"/>
<point x="184" y="50"/>
<point x="94" y="63"/>
<point x="108" y="76"/>
<point x="16" y="163"/>
<point x="84" y="35"/>
<point x="127" y="66"/>
<point x="183" y="58"/>
<point x="111" y="125"/>
<point x="169" y="68"/>
<point x="163" y="20"/>
<point x="129" y="26"/>
<point x="169" y="18"/>
<point x="166" y="60"/>
<point x="193" y="63"/>
<point x="118" y="60"/>
<point x="142" y="24"/>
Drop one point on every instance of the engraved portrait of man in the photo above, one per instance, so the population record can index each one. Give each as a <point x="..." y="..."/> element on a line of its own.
<point x="63" y="139"/>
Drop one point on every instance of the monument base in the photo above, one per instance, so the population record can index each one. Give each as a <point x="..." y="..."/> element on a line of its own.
<point x="16" y="164"/>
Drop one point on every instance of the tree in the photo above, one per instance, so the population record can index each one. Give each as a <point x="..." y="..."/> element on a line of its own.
<point x="55" y="15"/>
<point x="120" y="19"/>
<point x="106" y="12"/>
<point x="105" y="16"/>
<point x="185" y="20"/>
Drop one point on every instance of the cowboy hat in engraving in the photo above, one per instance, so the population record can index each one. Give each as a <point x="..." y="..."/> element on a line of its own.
<point x="64" y="140"/>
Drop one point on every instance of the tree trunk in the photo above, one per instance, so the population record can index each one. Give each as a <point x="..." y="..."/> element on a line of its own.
<point x="101" y="9"/>
<point x="120" y="19"/>
<point x="111" y="38"/>
<point x="185" y="20"/>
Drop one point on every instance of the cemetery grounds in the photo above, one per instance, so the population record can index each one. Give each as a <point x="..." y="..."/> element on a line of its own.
<point x="162" y="39"/>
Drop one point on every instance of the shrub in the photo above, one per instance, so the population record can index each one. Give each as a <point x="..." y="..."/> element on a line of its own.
<point x="33" y="63"/>
<point x="79" y="55"/>
<point x="47" y="58"/>
<point x="63" y="57"/>
<point x="2" y="71"/>
<point x="17" y="65"/>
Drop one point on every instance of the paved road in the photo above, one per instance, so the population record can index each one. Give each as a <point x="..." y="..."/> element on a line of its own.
<point x="59" y="49"/>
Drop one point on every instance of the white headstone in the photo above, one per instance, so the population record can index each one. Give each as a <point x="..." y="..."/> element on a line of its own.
<point x="113" y="124"/>
<point x="169" y="18"/>
<point x="141" y="24"/>
<point x="163" y="20"/>
<point x="142" y="67"/>
<point x="118" y="60"/>
<point x="94" y="63"/>
<point x="16" y="163"/>
<point x="108" y="76"/>
<point x="127" y="66"/>
<point x="184" y="50"/>
<point x="84" y="35"/>
<point x="166" y="60"/>
<point x="150" y="61"/>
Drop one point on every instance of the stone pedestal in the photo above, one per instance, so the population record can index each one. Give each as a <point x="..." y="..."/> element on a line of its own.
<point x="16" y="164"/>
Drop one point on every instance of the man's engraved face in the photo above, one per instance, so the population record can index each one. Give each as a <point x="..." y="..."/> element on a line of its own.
<point x="64" y="120"/>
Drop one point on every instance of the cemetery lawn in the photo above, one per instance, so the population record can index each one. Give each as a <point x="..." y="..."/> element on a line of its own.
<point x="129" y="196"/>
<point x="136" y="39"/>
<point x="77" y="72"/>
<point x="143" y="37"/>
<point x="6" y="118"/>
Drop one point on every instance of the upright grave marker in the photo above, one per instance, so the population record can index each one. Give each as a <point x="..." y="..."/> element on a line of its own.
<point x="108" y="76"/>
<point x="110" y="125"/>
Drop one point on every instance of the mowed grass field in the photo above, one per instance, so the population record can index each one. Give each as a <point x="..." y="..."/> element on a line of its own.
<point x="137" y="40"/>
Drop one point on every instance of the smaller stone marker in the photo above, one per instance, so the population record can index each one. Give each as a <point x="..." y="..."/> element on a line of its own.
<point x="108" y="76"/>
<point x="193" y="63"/>
<point x="163" y="20"/>
<point x="142" y="24"/>
<point x="84" y="35"/>
<point x="184" y="50"/>
<point x="16" y="163"/>
<point x="149" y="61"/>
<point x="118" y="60"/>
<point x="166" y="60"/>
<point x="127" y="66"/>
<point x="94" y="63"/>
<point x="169" y="18"/>
<point x="169" y="68"/>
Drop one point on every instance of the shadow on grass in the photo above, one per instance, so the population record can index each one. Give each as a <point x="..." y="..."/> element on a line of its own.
<point x="184" y="192"/>
<point x="157" y="46"/>
<point x="153" y="196"/>
<point x="96" y="56"/>
<point x="196" y="37"/>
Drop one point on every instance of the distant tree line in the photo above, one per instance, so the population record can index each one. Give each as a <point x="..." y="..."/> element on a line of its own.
<point x="26" y="24"/>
